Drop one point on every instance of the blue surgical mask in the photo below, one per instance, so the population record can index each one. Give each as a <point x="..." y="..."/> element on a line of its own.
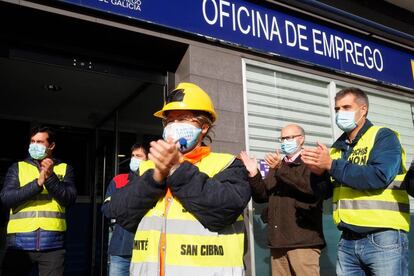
<point x="345" y="120"/>
<point x="185" y="134"/>
<point x="289" y="146"/>
<point x="37" y="151"/>
<point x="134" y="164"/>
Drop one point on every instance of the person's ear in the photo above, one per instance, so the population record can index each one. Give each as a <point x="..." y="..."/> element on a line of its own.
<point x="52" y="146"/>
<point x="364" y="110"/>
<point x="301" y="141"/>
<point x="204" y="129"/>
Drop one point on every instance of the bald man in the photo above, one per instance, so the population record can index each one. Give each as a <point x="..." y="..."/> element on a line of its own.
<point x="294" y="212"/>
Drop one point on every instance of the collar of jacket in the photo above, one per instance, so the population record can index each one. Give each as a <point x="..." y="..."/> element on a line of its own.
<point x="196" y="155"/>
<point x="36" y="163"/>
<point x="297" y="161"/>
<point x="342" y="142"/>
<point x="132" y="175"/>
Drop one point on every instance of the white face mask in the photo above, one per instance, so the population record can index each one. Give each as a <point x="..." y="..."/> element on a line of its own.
<point x="134" y="164"/>
<point x="186" y="135"/>
<point x="345" y="120"/>
<point x="289" y="146"/>
<point x="37" y="151"/>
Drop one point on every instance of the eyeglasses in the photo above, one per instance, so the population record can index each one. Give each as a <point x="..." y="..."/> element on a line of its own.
<point x="184" y="118"/>
<point x="289" y="138"/>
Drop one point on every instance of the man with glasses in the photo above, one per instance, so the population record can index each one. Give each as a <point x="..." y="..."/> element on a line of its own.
<point x="294" y="212"/>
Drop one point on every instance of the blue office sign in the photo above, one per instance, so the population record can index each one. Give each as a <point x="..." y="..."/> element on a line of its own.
<point x="251" y="26"/>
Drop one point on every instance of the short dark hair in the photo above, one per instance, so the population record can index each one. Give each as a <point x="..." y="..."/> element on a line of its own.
<point x="40" y="128"/>
<point x="142" y="146"/>
<point x="360" y="96"/>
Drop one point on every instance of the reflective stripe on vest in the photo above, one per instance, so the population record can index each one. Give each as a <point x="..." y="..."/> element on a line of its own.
<point x="190" y="228"/>
<point x="382" y="208"/>
<point x="190" y="249"/>
<point x="153" y="269"/>
<point x="37" y="214"/>
<point x="372" y="205"/>
<point x="42" y="211"/>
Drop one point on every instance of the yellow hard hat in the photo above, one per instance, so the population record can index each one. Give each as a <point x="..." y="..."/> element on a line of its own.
<point x="187" y="96"/>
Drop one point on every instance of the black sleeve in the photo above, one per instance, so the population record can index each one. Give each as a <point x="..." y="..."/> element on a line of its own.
<point x="12" y="195"/>
<point x="105" y="205"/>
<point x="258" y="187"/>
<point x="216" y="202"/>
<point x="321" y="185"/>
<point x="129" y="204"/>
<point x="409" y="180"/>
<point x="63" y="191"/>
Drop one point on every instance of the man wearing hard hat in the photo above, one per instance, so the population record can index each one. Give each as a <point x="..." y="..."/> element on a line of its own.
<point x="187" y="202"/>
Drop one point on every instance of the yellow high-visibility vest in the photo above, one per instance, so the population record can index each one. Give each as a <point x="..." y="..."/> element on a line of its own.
<point x="42" y="211"/>
<point x="190" y="248"/>
<point x="380" y="208"/>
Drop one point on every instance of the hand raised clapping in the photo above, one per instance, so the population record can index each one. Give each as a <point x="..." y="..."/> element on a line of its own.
<point x="165" y="156"/>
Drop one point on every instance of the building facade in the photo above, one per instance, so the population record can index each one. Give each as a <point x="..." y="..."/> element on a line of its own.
<point x="98" y="69"/>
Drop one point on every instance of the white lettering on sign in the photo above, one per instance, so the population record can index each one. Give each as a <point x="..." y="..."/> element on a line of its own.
<point x="333" y="46"/>
<point x="127" y="4"/>
<point x="241" y="19"/>
<point x="261" y="25"/>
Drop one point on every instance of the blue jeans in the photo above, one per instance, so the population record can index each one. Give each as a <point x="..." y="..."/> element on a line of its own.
<point x="383" y="253"/>
<point x="119" y="265"/>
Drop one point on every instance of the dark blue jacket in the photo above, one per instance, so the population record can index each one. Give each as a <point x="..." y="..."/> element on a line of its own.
<point x="12" y="195"/>
<point x="121" y="240"/>
<point x="384" y="163"/>
<point x="216" y="202"/>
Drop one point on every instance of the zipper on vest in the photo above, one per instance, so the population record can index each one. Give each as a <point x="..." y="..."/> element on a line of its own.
<point x="163" y="238"/>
